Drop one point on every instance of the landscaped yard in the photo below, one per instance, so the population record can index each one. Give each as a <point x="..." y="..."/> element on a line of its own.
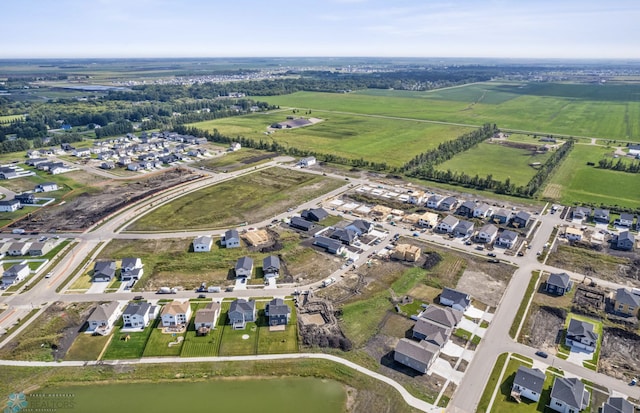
<point x="87" y="347"/>
<point x="249" y="198"/>
<point x="503" y="401"/>
<point x="127" y="345"/>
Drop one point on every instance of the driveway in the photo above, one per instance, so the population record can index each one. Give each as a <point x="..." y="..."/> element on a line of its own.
<point x="443" y="369"/>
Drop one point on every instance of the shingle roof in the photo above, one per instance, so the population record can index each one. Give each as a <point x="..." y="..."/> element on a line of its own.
<point x="624" y="296"/>
<point x="509" y="235"/>
<point x="532" y="379"/>
<point x="175" y="307"/>
<point x="489" y="229"/>
<point x="137" y="308"/>
<point x="242" y="305"/>
<point x="617" y="405"/>
<point x="442" y="315"/>
<point x="231" y="233"/>
<point x="271" y="261"/>
<point x="203" y="240"/>
<point x="581" y="328"/>
<point x="277" y="307"/>
<point x="104" y="311"/>
<point x="244" y="263"/>
<point x="559" y="280"/>
<point x="570" y="391"/>
<point x="421" y="351"/>
<point x="458" y="297"/>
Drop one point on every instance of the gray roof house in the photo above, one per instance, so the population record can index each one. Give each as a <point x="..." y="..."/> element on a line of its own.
<point x="444" y="316"/>
<point x="601" y="215"/>
<point x="131" y="269"/>
<point x="432" y="332"/>
<point x="448" y="203"/>
<point x="231" y="239"/>
<point x="301" y="224"/>
<point x="581" y="213"/>
<point x="416" y="355"/>
<point x="18" y="248"/>
<point x="244" y="267"/>
<point x="360" y="226"/>
<point x="271" y="266"/>
<point x="455" y="299"/>
<point x="528" y="383"/>
<point x="482" y="211"/>
<point x="568" y="395"/>
<point x="463" y="229"/>
<point x="330" y="245"/>
<point x="521" y="219"/>
<point x="202" y="243"/>
<point x="466" y="209"/>
<point x="581" y="335"/>
<point x="501" y="216"/>
<point x="15" y="274"/>
<point x="40" y="248"/>
<point x="625" y="241"/>
<point x="448" y="224"/>
<point x="625" y="220"/>
<point x="618" y="405"/>
<point x="344" y="235"/>
<point x="434" y="201"/>
<point x="139" y="315"/>
<point x="507" y="239"/>
<point x="206" y="318"/>
<point x="626" y="303"/>
<point x="558" y="284"/>
<point x="240" y="312"/>
<point x="277" y="312"/>
<point x="487" y="234"/>
<point x="315" y="214"/>
<point x="102" y="318"/>
<point x="103" y="271"/>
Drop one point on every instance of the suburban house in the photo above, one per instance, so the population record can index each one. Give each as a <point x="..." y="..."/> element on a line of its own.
<point x="102" y="318"/>
<point x="581" y="213"/>
<point x="558" y="284"/>
<point x="314" y="215"/>
<point x="17" y="249"/>
<point x="81" y="152"/>
<point x="231" y="239"/>
<point x="463" y="229"/>
<point x="625" y="220"/>
<point x="428" y="220"/>
<point x="10" y="205"/>
<point x="406" y="252"/>
<point x="431" y="332"/>
<point x="626" y="303"/>
<point x="487" y="234"/>
<point x="448" y="204"/>
<point x="176" y="314"/>
<point x="416" y="197"/>
<point x="601" y="215"/>
<point x="447" y="224"/>
<point x="434" y="201"/>
<point x="37" y="249"/>
<point x="330" y="245"/>
<point x="103" y="271"/>
<point x="301" y="224"/>
<point x="624" y="241"/>
<point x="482" y="211"/>
<point x="573" y="234"/>
<point x="507" y="239"/>
<point x="527" y="383"/>
<point x="443" y="316"/>
<point x="466" y="209"/>
<point x="455" y="299"/>
<point x="235" y="146"/>
<point x="347" y="236"/>
<point x="202" y="243"/>
<point x="15" y="274"/>
<point x="240" y="312"/>
<point x="277" y="312"/>
<point x="416" y="355"/>
<point x="360" y="227"/>
<point x="26" y="198"/>
<point x="139" y="315"/>
<point x="244" y="267"/>
<point x="131" y="269"/>
<point x="521" y="220"/>
<point x="501" y="216"/>
<point x="46" y="187"/>
<point x="206" y="318"/>
<point x="271" y="266"/>
<point x="634" y="149"/>
<point x="307" y="162"/>
<point x="617" y="404"/>
<point x="580" y="334"/>
<point x="568" y="395"/>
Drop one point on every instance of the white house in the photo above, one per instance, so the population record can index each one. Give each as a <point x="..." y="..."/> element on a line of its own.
<point x="202" y="244"/>
<point x="235" y="146"/>
<point x="634" y="149"/>
<point x="231" y="239"/>
<point x="573" y="234"/>
<point x="176" y="314"/>
<point x="428" y="220"/>
<point x="81" y="152"/>
<point x="307" y="162"/>
<point x="139" y="315"/>
<point x="10" y="205"/>
<point x="507" y="239"/>
<point x="244" y="267"/>
<point x="46" y="187"/>
<point x="528" y="383"/>
<point x="447" y="224"/>
<point x="18" y="248"/>
<point x="568" y="395"/>
<point x="131" y="269"/>
<point x="15" y="274"/>
<point x="103" y="317"/>
<point x="434" y="201"/>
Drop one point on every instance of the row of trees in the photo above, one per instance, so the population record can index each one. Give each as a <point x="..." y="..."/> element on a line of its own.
<point x="632" y="167"/>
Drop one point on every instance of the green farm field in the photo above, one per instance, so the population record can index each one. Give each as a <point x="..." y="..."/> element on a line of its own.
<point x="577" y="182"/>
<point x="249" y="198"/>
<point x="506" y="162"/>
<point x="602" y="111"/>
<point x="354" y="136"/>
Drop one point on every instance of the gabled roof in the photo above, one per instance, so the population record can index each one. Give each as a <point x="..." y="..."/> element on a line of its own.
<point x="15" y="269"/>
<point x="489" y="229"/>
<point x="242" y="305"/>
<point x="130" y="262"/>
<point x="569" y="391"/>
<point x="464" y="226"/>
<point x="317" y="214"/>
<point x="559" y="280"/>
<point x="532" y="379"/>
<point x="244" y="263"/>
<point x="328" y="243"/>
<point x="624" y="296"/>
<point x="458" y="297"/>
<point x="508" y="235"/>
<point x="344" y="235"/>
<point x="626" y="235"/>
<point x="231" y="233"/>
<point x="581" y="328"/>
<point x="140" y="309"/>
<point x="502" y="213"/>
<point x="429" y="329"/>
<point x="175" y="308"/>
<point x="271" y="261"/>
<point x="617" y="405"/>
<point x="202" y="240"/>
<point x="361" y="225"/>
<point x="586" y="211"/>
<point x="450" y="200"/>
<point x="277" y="307"/>
<point x="626" y="216"/>
<point x="523" y="215"/>
<point x="482" y="208"/>
<point x="450" y="220"/>
<point x="468" y="204"/>
<point x="104" y="311"/>
<point x="301" y="223"/>
<point x="420" y="351"/>
<point x="442" y="315"/>
<point x="207" y="314"/>
<point x="601" y="212"/>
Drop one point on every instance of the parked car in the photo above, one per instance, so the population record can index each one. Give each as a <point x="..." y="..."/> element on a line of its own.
<point x="49" y="274"/>
<point x="138" y="297"/>
<point x="492" y="254"/>
<point x="542" y="354"/>
<point x="494" y="260"/>
<point x="633" y="382"/>
<point x="202" y="296"/>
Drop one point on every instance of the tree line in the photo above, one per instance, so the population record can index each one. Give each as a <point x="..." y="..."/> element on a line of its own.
<point x="631" y="167"/>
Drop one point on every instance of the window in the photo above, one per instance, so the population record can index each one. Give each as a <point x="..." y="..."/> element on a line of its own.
<point x="558" y="404"/>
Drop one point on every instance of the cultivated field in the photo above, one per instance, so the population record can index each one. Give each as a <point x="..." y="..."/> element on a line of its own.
<point x="376" y="139"/>
<point x="250" y="198"/>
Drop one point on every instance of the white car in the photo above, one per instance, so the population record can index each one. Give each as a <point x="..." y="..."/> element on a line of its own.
<point x="49" y="274"/>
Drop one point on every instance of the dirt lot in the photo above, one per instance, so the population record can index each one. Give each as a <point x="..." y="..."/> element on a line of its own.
<point x="107" y="197"/>
<point x="620" y="354"/>
<point x="482" y="286"/>
<point x="547" y="322"/>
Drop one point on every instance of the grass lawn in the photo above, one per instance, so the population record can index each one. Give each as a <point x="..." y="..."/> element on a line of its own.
<point x="597" y="328"/>
<point x="87" y="347"/>
<point x="202" y="346"/>
<point x="158" y="343"/>
<point x="232" y="161"/>
<point x="353" y="136"/>
<point x="239" y="342"/>
<point x="408" y="280"/>
<point x="575" y="182"/>
<point x="503" y="401"/>
<point x="587" y="262"/>
<point x="483" y="404"/>
<point x="279" y="342"/>
<point x="535" y="276"/>
<point x="361" y="319"/>
<point x="249" y="198"/>
<point x="119" y="348"/>
<point x="506" y="162"/>
<point x="413" y="308"/>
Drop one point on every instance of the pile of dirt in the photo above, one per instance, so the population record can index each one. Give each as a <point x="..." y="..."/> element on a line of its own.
<point x="92" y="206"/>
<point x="620" y="354"/>
<point x="328" y="334"/>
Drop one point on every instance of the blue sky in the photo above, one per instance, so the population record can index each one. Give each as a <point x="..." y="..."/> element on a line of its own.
<point x="411" y="28"/>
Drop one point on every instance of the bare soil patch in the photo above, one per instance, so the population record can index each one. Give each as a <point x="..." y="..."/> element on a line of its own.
<point x="543" y="328"/>
<point x="106" y="198"/>
<point x="620" y="354"/>
<point x="482" y="287"/>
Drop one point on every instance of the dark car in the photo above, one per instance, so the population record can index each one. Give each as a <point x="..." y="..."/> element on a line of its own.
<point x="138" y="297"/>
<point x="493" y="260"/>
<point x="492" y="254"/>
<point x="202" y="296"/>
<point x="542" y="354"/>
